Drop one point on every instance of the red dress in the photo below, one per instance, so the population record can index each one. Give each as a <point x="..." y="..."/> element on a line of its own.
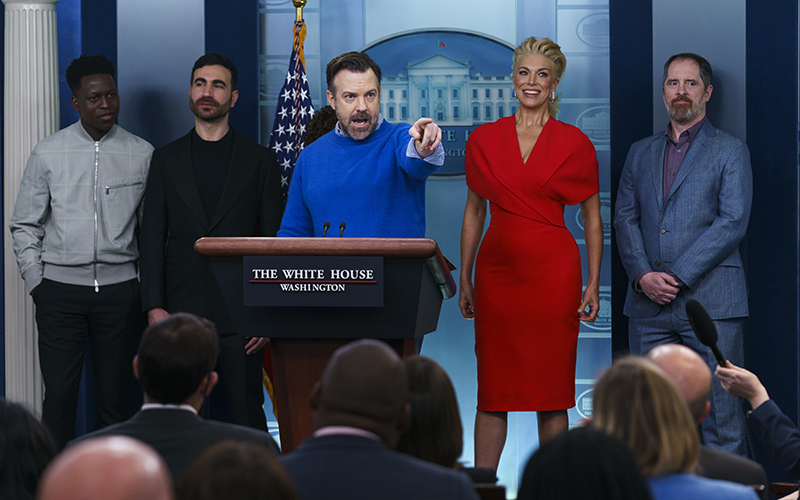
<point x="528" y="271"/>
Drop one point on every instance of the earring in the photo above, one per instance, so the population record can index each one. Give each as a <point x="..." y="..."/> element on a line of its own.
<point x="552" y="96"/>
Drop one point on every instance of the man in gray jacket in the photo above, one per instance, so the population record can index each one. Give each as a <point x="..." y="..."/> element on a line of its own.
<point x="74" y="227"/>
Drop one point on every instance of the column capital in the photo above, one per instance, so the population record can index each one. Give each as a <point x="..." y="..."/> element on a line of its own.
<point x="32" y="3"/>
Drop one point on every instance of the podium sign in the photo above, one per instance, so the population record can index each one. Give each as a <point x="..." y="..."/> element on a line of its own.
<point x="313" y="281"/>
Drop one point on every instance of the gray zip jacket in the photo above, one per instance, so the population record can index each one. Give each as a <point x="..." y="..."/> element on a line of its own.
<point x="79" y="207"/>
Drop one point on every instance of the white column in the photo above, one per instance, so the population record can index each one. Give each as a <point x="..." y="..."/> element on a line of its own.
<point x="31" y="113"/>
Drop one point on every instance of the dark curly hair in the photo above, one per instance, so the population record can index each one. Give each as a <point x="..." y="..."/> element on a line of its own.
<point x="85" y="66"/>
<point x="175" y="355"/>
<point x="323" y="122"/>
<point x="25" y="450"/>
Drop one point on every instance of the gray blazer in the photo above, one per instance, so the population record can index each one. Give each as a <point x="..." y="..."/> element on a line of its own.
<point x="696" y="232"/>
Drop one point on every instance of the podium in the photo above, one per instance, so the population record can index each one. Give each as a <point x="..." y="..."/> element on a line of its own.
<point x="416" y="278"/>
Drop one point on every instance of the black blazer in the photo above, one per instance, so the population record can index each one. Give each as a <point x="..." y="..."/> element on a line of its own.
<point x="180" y="435"/>
<point x="342" y="467"/>
<point x="173" y="275"/>
<point x="717" y="464"/>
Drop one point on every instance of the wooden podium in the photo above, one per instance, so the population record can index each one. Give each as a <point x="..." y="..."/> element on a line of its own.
<point x="416" y="279"/>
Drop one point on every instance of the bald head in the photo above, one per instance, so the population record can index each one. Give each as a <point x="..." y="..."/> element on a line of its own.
<point x="364" y="386"/>
<point x="689" y="372"/>
<point x="107" y="468"/>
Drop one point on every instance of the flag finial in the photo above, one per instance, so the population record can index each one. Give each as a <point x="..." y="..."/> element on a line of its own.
<point x="299" y="4"/>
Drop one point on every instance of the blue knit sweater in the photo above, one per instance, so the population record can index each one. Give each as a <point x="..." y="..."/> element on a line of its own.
<point x="371" y="185"/>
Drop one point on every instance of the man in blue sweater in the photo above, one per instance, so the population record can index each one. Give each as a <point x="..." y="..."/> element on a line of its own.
<point x="368" y="173"/>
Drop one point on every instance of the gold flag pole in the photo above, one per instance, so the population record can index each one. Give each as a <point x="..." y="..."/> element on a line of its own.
<point x="299" y="4"/>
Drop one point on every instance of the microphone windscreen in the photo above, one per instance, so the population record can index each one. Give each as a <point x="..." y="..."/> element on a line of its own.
<point x="701" y="323"/>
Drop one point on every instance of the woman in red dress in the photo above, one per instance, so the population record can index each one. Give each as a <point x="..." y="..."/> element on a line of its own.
<point x="526" y="300"/>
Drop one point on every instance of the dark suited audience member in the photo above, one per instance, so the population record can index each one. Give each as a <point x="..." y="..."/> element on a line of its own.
<point x="359" y="409"/>
<point x="435" y="434"/>
<point x="324" y="121"/>
<point x="107" y="468"/>
<point x="236" y="471"/>
<point x="582" y="463"/>
<point x="25" y="450"/>
<point x="175" y="367"/>
<point x="691" y="375"/>
<point x="777" y="431"/>
<point x="636" y="402"/>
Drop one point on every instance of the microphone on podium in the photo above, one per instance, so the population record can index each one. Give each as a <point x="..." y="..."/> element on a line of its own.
<point x="704" y="328"/>
<point x="325" y="228"/>
<point x="341" y="229"/>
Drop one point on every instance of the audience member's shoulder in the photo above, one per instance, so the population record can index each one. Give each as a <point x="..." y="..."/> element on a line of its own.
<point x="716" y="464"/>
<point x="241" y="433"/>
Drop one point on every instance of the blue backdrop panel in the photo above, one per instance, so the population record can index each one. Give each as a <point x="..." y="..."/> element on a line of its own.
<point x="231" y="28"/>
<point x="772" y="347"/>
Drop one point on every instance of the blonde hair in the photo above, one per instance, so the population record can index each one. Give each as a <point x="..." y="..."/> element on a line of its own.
<point x="636" y="402"/>
<point x="552" y="51"/>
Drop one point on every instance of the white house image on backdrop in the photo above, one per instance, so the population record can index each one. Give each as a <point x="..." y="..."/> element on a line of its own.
<point x="442" y="88"/>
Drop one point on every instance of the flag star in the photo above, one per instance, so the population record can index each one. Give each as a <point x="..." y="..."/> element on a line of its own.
<point x="302" y="113"/>
<point x="287" y="164"/>
<point x="289" y="147"/>
<point x="280" y="130"/>
<point x="277" y="147"/>
<point x="282" y="112"/>
<point x="294" y="94"/>
<point x="286" y="94"/>
<point x="302" y="129"/>
<point x="294" y="113"/>
<point x="303" y="95"/>
<point x="284" y="181"/>
<point x="311" y="112"/>
<point x="292" y="129"/>
<point x="288" y="76"/>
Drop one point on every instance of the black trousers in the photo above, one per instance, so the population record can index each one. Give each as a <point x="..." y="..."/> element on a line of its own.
<point x="69" y="315"/>
<point x="242" y="384"/>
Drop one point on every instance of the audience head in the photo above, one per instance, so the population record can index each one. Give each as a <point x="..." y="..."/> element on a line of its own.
<point x="25" y="450"/>
<point x="690" y="374"/>
<point x="107" y="468"/>
<point x="635" y="402"/>
<point x="435" y="434"/>
<point x="363" y="386"/>
<point x="606" y="468"/>
<point x="176" y="359"/>
<point x="232" y="470"/>
<point x="323" y="122"/>
<point x="87" y="66"/>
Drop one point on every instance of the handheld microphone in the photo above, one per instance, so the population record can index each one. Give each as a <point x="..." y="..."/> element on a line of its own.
<point x="325" y="228"/>
<point x="704" y="328"/>
<point x="341" y="228"/>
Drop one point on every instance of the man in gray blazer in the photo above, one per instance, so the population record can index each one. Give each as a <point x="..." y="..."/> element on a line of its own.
<point x="175" y="366"/>
<point x="682" y="209"/>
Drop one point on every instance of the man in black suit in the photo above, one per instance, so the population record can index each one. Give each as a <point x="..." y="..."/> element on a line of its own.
<point x="211" y="182"/>
<point x="692" y="377"/>
<point x="175" y="367"/>
<point x="359" y="409"/>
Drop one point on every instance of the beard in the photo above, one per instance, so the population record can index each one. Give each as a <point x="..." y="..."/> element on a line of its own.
<point x="349" y="128"/>
<point x="684" y="112"/>
<point x="213" y="114"/>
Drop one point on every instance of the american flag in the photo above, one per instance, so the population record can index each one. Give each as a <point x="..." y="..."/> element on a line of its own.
<point x="294" y="111"/>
